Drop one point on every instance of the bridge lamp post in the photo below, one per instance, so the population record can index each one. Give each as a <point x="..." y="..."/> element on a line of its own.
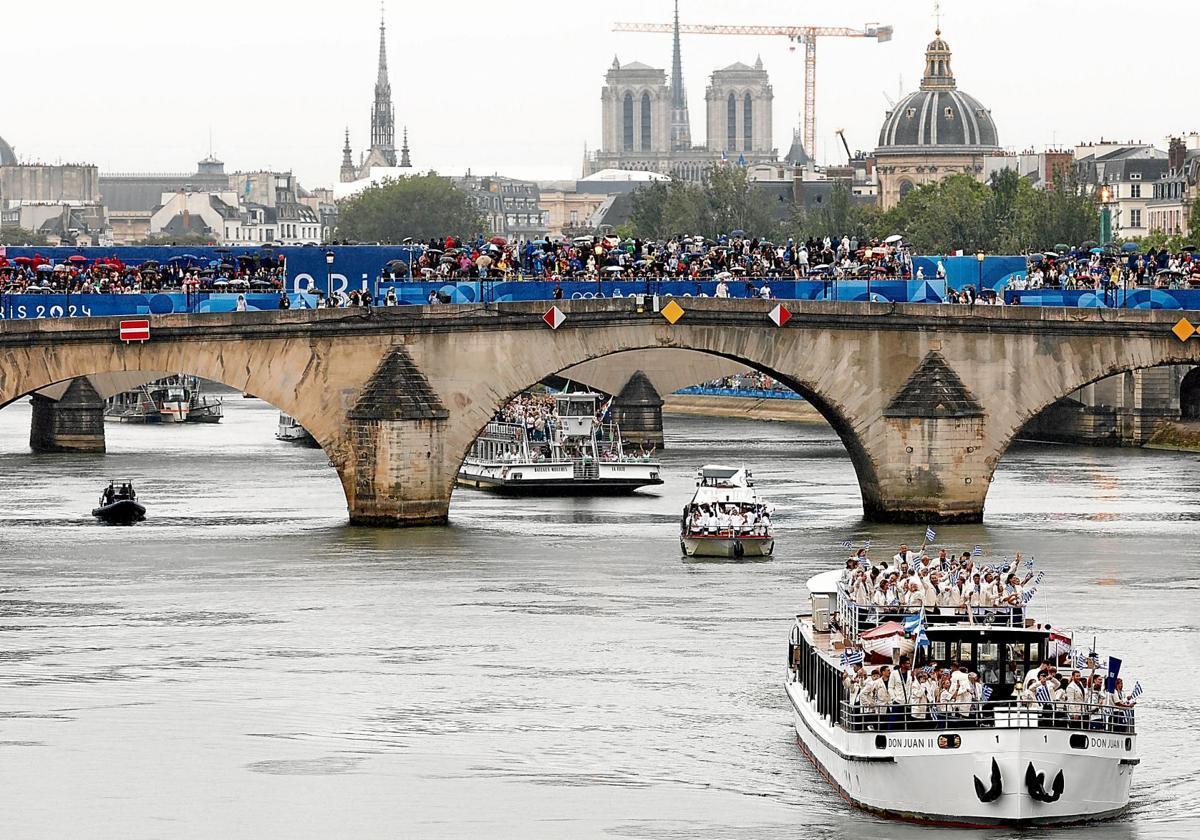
<point x="329" y="255"/>
<point x="979" y="283"/>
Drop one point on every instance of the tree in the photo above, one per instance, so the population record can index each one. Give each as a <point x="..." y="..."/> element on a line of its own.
<point x="727" y="201"/>
<point x="943" y="216"/>
<point x="20" y="236"/>
<point x="420" y="206"/>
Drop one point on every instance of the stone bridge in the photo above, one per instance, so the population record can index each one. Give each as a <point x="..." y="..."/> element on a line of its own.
<point x="925" y="398"/>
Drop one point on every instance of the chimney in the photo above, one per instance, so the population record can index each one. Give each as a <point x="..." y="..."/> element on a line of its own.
<point x="1176" y="151"/>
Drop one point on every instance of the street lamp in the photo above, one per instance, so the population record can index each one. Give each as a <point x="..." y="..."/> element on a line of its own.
<point x="329" y="255"/>
<point x="979" y="284"/>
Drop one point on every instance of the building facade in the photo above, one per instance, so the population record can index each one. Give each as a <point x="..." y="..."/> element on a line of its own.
<point x="739" y="100"/>
<point x="1123" y="177"/>
<point x="937" y="131"/>
<point x="511" y="208"/>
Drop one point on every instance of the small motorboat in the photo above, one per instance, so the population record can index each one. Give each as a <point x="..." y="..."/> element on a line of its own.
<point x="119" y="504"/>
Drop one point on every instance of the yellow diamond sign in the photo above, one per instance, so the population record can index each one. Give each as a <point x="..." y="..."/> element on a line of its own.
<point x="1184" y="329"/>
<point x="672" y="312"/>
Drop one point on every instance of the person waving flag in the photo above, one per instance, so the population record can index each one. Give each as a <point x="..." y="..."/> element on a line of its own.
<point x="930" y="535"/>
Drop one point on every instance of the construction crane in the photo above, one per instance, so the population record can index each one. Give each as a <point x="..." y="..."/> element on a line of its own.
<point x="806" y="35"/>
<point x="849" y="157"/>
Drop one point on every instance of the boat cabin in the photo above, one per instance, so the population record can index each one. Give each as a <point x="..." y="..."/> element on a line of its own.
<point x="714" y="475"/>
<point x="576" y="413"/>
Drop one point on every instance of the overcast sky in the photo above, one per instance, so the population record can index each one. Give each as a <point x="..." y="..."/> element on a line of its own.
<point x="514" y="87"/>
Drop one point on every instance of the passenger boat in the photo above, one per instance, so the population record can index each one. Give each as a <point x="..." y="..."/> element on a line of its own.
<point x="290" y="430"/>
<point x="725" y="518"/>
<point x="1000" y="761"/>
<point x="578" y="454"/>
<point x="174" y="399"/>
<point x="118" y="504"/>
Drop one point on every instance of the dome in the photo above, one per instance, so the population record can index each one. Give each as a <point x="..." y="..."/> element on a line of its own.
<point x="7" y="158"/>
<point x="939" y="115"/>
<point x="937" y="118"/>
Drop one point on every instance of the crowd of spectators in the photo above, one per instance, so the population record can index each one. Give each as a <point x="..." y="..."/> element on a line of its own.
<point x="680" y="257"/>
<point x="83" y="276"/>
<point x="1100" y="269"/>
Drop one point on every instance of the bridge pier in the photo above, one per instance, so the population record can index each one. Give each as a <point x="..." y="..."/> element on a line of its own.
<point x="637" y="410"/>
<point x="394" y="467"/>
<point x="72" y="423"/>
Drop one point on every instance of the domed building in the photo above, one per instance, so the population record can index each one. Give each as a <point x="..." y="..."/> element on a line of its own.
<point x="935" y="132"/>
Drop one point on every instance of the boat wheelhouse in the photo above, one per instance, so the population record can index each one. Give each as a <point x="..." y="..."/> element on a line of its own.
<point x="999" y="761"/>
<point x="725" y="518"/>
<point x="576" y="452"/>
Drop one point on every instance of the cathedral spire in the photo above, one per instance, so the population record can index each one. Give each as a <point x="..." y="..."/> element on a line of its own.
<point x="348" y="172"/>
<point x="681" y="132"/>
<point x="383" y="129"/>
<point x="404" y="159"/>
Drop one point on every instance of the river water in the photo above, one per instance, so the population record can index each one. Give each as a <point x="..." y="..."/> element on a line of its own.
<point x="243" y="664"/>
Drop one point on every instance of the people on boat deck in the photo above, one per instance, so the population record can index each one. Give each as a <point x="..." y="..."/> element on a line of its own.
<point x="728" y="517"/>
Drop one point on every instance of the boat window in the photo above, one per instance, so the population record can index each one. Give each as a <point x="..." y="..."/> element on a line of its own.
<point x="1014" y="662"/>
<point x="937" y="651"/>
<point x="960" y="652"/>
<point x="989" y="662"/>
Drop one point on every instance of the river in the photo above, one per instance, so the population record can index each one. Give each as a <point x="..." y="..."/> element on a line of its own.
<point x="244" y="664"/>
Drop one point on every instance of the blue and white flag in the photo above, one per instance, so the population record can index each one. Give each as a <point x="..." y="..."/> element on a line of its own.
<point x="1028" y="594"/>
<point x="1029" y="564"/>
<point x="851" y="657"/>
<point x="864" y="562"/>
<point x="930" y="535"/>
<point x="847" y="544"/>
<point x="978" y="552"/>
<point x="954" y="576"/>
<point x="867" y="545"/>
<point x="986" y="694"/>
<point x="922" y="639"/>
<point x="1038" y="579"/>
<point x="1078" y="659"/>
<point x="1137" y="691"/>
<point x="914" y="621"/>
<point x="1042" y="694"/>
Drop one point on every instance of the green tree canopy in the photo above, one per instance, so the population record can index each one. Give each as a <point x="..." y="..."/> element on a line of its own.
<point x="727" y="201"/>
<point x="420" y="206"/>
<point x="13" y="235"/>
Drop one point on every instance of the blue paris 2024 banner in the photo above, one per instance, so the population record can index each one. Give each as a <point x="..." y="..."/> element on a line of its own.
<point x="365" y="267"/>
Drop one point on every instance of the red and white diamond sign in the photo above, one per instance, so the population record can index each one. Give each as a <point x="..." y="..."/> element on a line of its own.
<point x="135" y="330"/>
<point x="780" y="315"/>
<point x="554" y="317"/>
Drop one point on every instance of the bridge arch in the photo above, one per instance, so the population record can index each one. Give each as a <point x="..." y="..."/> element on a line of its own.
<point x="800" y="383"/>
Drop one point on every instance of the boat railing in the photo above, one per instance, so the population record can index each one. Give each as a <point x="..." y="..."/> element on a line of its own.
<point x="1005" y="714"/>
<point x="856" y="618"/>
<point x="747" y="530"/>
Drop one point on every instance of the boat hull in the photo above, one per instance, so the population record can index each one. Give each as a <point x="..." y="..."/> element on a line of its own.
<point x="122" y="512"/>
<point x="558" y="479"/>
<point x="748" y="546"/>
<point x="910" y="775"/>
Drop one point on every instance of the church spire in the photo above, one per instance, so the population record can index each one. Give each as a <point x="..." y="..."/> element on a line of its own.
<point x="404" y="160"/>
<point x="348" y="172"/>
<point x="681" y="132"/>
<point x="383" y="129"/>
<point x="938" y="75"/>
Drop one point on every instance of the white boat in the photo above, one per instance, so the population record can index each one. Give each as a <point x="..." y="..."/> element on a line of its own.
<point x="996" y="762"/>
<point x="577" y="454"/>
<point x="725" y="518"/>
<point x="174" y="399"/>
<point x="290" y="430"/>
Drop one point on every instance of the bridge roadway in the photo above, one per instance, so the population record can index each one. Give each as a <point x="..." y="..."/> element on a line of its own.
<point x="925" y="398"/>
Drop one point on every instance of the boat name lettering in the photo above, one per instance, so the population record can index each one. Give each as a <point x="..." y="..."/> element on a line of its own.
<point x="1107" y="743"/>
<point x="910" y="743"/>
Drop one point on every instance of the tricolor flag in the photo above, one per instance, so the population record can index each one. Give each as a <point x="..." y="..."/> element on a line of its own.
<point x="978" y="552"/>
<point x="930" y="535"/>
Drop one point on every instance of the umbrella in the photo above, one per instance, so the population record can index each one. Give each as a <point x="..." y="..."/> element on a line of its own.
<point x="45" y="268"/>
<point x="737" y="233"/>
<point x="498" y="240"/>
<point x="1096" y="251"/>
<point x="582" y="240"/>
<point x="221" y="282"/>
<point x="614" y="268"/>
<point x="724" y="275"/>
<point x="895" y="237"/>
<point x="77" y="258"/>
<point x="22" y="260"/>
<point x="1129" y="247"/>
<point x="1049" y="254"/>
<point x="1061" y="246"/>
<point x="150" y="264"/>
<point x="1188" y="248"/>
<point x="260" y="283"/>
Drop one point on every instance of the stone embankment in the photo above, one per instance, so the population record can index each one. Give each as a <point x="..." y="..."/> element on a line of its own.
<point x="740" y="407"/>
<point x="1179" y="435"/>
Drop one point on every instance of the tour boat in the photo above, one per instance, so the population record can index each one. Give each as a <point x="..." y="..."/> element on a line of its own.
<point x="1003" y="762"/>
<point x="290" y="430"/>
<point x="118" y="504"/>
<point x="725" y="518"/>
<point x="577" y="453"/>
<point x="175" y="399"/>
